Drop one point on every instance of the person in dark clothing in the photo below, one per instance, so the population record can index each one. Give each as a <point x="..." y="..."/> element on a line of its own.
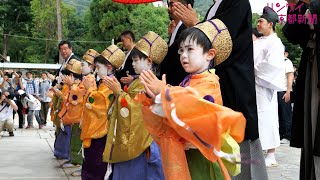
<point x="237" y="81"/>
<point x="305" y="132"/>
<point x="171" y="65"/>
<point x="125" y="74"/>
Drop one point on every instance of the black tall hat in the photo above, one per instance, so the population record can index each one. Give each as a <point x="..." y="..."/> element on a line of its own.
<point x="270" y="15"/>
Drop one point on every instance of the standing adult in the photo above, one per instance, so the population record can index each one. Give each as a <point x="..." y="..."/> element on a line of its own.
<point x="171" y="65"/>
<point x="284" y="101"/>
<point x="44" y="86"/>
<point x="306" y="119"/>
<point x="126" y="74"/>
<point x="236" y="75"/>
<point x="65" y="49"/>
<point x="19" y="84"/>
<point x="269" y="74"/>
<point x="31" y="88"/>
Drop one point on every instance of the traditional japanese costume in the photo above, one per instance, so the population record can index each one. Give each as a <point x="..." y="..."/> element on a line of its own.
<point x="129" y="145"/>
<point x="95" y="120"/>
<point x="66" y="143"/>
<point x="198" y="137"/>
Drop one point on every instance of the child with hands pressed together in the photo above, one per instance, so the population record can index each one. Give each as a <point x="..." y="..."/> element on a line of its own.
<point x="129" y="145"/>
<point x="196" y="134"/>
<point x="68" y="144"/>
<point x="95" y="119"/>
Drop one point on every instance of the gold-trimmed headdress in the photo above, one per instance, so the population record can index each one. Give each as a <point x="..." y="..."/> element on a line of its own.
<point x="153" y="46"/>
<point x="220" y="38"/>
<point x="90" y="55"/>
<point x="74" y="66"/>
<point x="114" y="55"/>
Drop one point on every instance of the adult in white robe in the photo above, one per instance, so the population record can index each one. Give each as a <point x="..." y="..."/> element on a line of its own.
<point x="269" y="69"/>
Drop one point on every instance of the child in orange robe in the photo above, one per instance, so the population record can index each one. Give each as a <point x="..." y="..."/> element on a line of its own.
<point x="196" y="134"/>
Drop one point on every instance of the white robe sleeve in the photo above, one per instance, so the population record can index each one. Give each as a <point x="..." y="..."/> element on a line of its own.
<point x="269" y="63"/>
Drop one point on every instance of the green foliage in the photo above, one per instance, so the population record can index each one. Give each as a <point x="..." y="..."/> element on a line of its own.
<point x="108" y="19"/>
<point x="80" y="5"/>
<point x="202" y="6"/>
<point x="146" y="18"/>
<point x="15" y="16"/>
<point x="294" y="50"/>
<point x="255" y="18"/>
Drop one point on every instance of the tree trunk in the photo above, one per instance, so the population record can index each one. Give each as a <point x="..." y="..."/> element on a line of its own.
<point x="5" y="45"/>
<point x="59" y="24"/>
<point x="46" y="53"/>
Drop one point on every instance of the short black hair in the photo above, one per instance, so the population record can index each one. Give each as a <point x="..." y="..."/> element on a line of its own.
<point x="256" y="32"/>
<point x="100" y="59"/>
<point x="68" y="72"/>
<point x="195" y="35"/>
<point x="136" y="53"/>
<point x="44" y="72"/>
<point x="199" y="37"/>
<point x="64" y="42"/>
<point x="28" y="72"/>
<point x="129" y="33"/>
<point x="191" y="2"/>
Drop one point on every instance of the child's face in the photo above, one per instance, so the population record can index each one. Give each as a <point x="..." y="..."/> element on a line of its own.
<point x="140" y="64"/>
<point x="85" y="68"/>
<point x="103" y="70"/>
<point x="192" y="57"/>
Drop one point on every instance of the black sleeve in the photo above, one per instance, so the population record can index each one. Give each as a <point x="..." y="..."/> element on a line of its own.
<point x="237" y="16"/>
<point x="126" y="69"/>
<point x="294" y="32"/>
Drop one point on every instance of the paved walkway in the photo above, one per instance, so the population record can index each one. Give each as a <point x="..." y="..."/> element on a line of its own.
<point x="29" y="156"/>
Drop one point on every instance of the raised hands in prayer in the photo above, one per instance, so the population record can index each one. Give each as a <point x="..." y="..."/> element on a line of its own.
<point x="69" y="80"/>
<point x="113" y="84"/>
<point x="186" y="14"/>
<point x="87" y="83"/>
<point x="152" y="84"/>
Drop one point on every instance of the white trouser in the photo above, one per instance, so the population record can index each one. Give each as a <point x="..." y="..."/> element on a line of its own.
<point x="6" y="124"/>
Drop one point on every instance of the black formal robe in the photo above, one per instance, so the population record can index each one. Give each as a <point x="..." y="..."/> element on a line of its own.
<point x="236" y="74"/>
<point x="127" y="68"/>
<point x="171" y="65"/>
<point x="54" y="82"/>
<point x="305" y="128"/>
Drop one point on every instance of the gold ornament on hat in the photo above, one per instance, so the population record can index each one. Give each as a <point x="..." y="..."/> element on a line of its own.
<point x="114" y="55"/>
<point x="90" y="55"/>
<point x="153" y="46"/>
<point x="74" y="66"/>
<point x="220" y="38"/>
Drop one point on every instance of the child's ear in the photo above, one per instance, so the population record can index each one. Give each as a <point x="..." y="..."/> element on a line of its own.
<point x="149" y="60"/>
<point x="211" y="54"/>
<point x="109" y="66"/>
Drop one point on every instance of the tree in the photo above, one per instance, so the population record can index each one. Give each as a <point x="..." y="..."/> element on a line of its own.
<point x="44" y="20"/>
<point x="146" y="18"/>
<point x="108" y="19"/>
<point x="15" y="19"/>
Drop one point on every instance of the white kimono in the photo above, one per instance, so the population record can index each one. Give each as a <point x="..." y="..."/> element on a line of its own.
<point x="269" y="69"/>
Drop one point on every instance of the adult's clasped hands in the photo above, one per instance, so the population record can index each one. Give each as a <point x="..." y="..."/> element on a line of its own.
<point x="152" y="84"/>
<point x="185" y="13"/>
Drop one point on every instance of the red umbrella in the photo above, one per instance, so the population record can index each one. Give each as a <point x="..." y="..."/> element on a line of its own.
<point x="134" y="1"/>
